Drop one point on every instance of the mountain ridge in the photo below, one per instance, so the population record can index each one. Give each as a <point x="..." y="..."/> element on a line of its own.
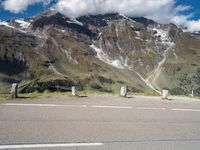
<point x="101" y="52"/>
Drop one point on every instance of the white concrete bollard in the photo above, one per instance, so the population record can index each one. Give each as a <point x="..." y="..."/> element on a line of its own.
<point x="192" y="93"/>
<point x="74" y="91"/>
<point x="165" y="93"/>
<point x="123" y="91"/>
<point x="13" y="90"/>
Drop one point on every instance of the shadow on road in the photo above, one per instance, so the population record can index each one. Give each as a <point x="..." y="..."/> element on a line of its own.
<point x="23" y="97"/>
<point x="84" y="96"/>
<point x="170" y="99"/>
<point x="130" y="97"/>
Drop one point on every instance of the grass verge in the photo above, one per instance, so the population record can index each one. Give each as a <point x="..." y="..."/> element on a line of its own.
<point x="81" y="94"/>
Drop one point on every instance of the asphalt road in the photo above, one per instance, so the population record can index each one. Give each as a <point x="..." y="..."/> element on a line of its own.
<point x="100" y="122"/>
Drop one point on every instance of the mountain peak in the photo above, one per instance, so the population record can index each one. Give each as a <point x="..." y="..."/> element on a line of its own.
<point x="144" y="21"/>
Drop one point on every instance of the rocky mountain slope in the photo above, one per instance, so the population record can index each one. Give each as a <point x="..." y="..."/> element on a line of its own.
<point x="101" y="52"/>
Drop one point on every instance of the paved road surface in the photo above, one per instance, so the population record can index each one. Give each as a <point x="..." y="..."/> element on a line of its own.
<point x="100" y="122"/>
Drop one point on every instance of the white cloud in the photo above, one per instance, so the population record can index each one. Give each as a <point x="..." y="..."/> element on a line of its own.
<point x="17" y="6"/>
<point x="186" y="23"/>
<point x="193" y="26"/>
<point x="157" y="8"/>
<point x="162" y="11"/>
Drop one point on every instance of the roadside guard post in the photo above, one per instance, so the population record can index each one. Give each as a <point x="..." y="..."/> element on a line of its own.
<point x="74" y="91"/>
<point x="123" y="91"/>
<point x="192" y="93"/>
<point x="13" y="90"/>
<point x="165" y="93"/>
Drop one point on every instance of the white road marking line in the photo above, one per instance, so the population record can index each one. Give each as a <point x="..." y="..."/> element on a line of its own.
<point x="114" y="107"/>
<point x="146" y="108"/>
<point x="97" y="106"/>
<point x="43" y="105"/>
<point x="192" y="110"/>
<point x="23" y="146"/>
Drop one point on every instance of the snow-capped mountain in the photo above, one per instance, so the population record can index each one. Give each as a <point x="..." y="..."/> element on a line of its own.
<point x="103" y="52"/>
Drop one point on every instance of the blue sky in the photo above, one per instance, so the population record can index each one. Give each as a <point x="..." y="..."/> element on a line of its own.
<point x="195" y="4"/>
<point x="31" y="11"/>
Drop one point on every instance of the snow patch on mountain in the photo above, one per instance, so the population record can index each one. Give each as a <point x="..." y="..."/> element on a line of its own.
<point x="127" y="18"/>
<point x="138" y="38"/>
<point x="105" y="58"/>
<point x="74" y="21"/>
<point x="4" y="23"/>
<point x="138" y="33"/>
<point x="23" y="24"/>
<point x="161" y="35"/>
<point x="100" y="34"/>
